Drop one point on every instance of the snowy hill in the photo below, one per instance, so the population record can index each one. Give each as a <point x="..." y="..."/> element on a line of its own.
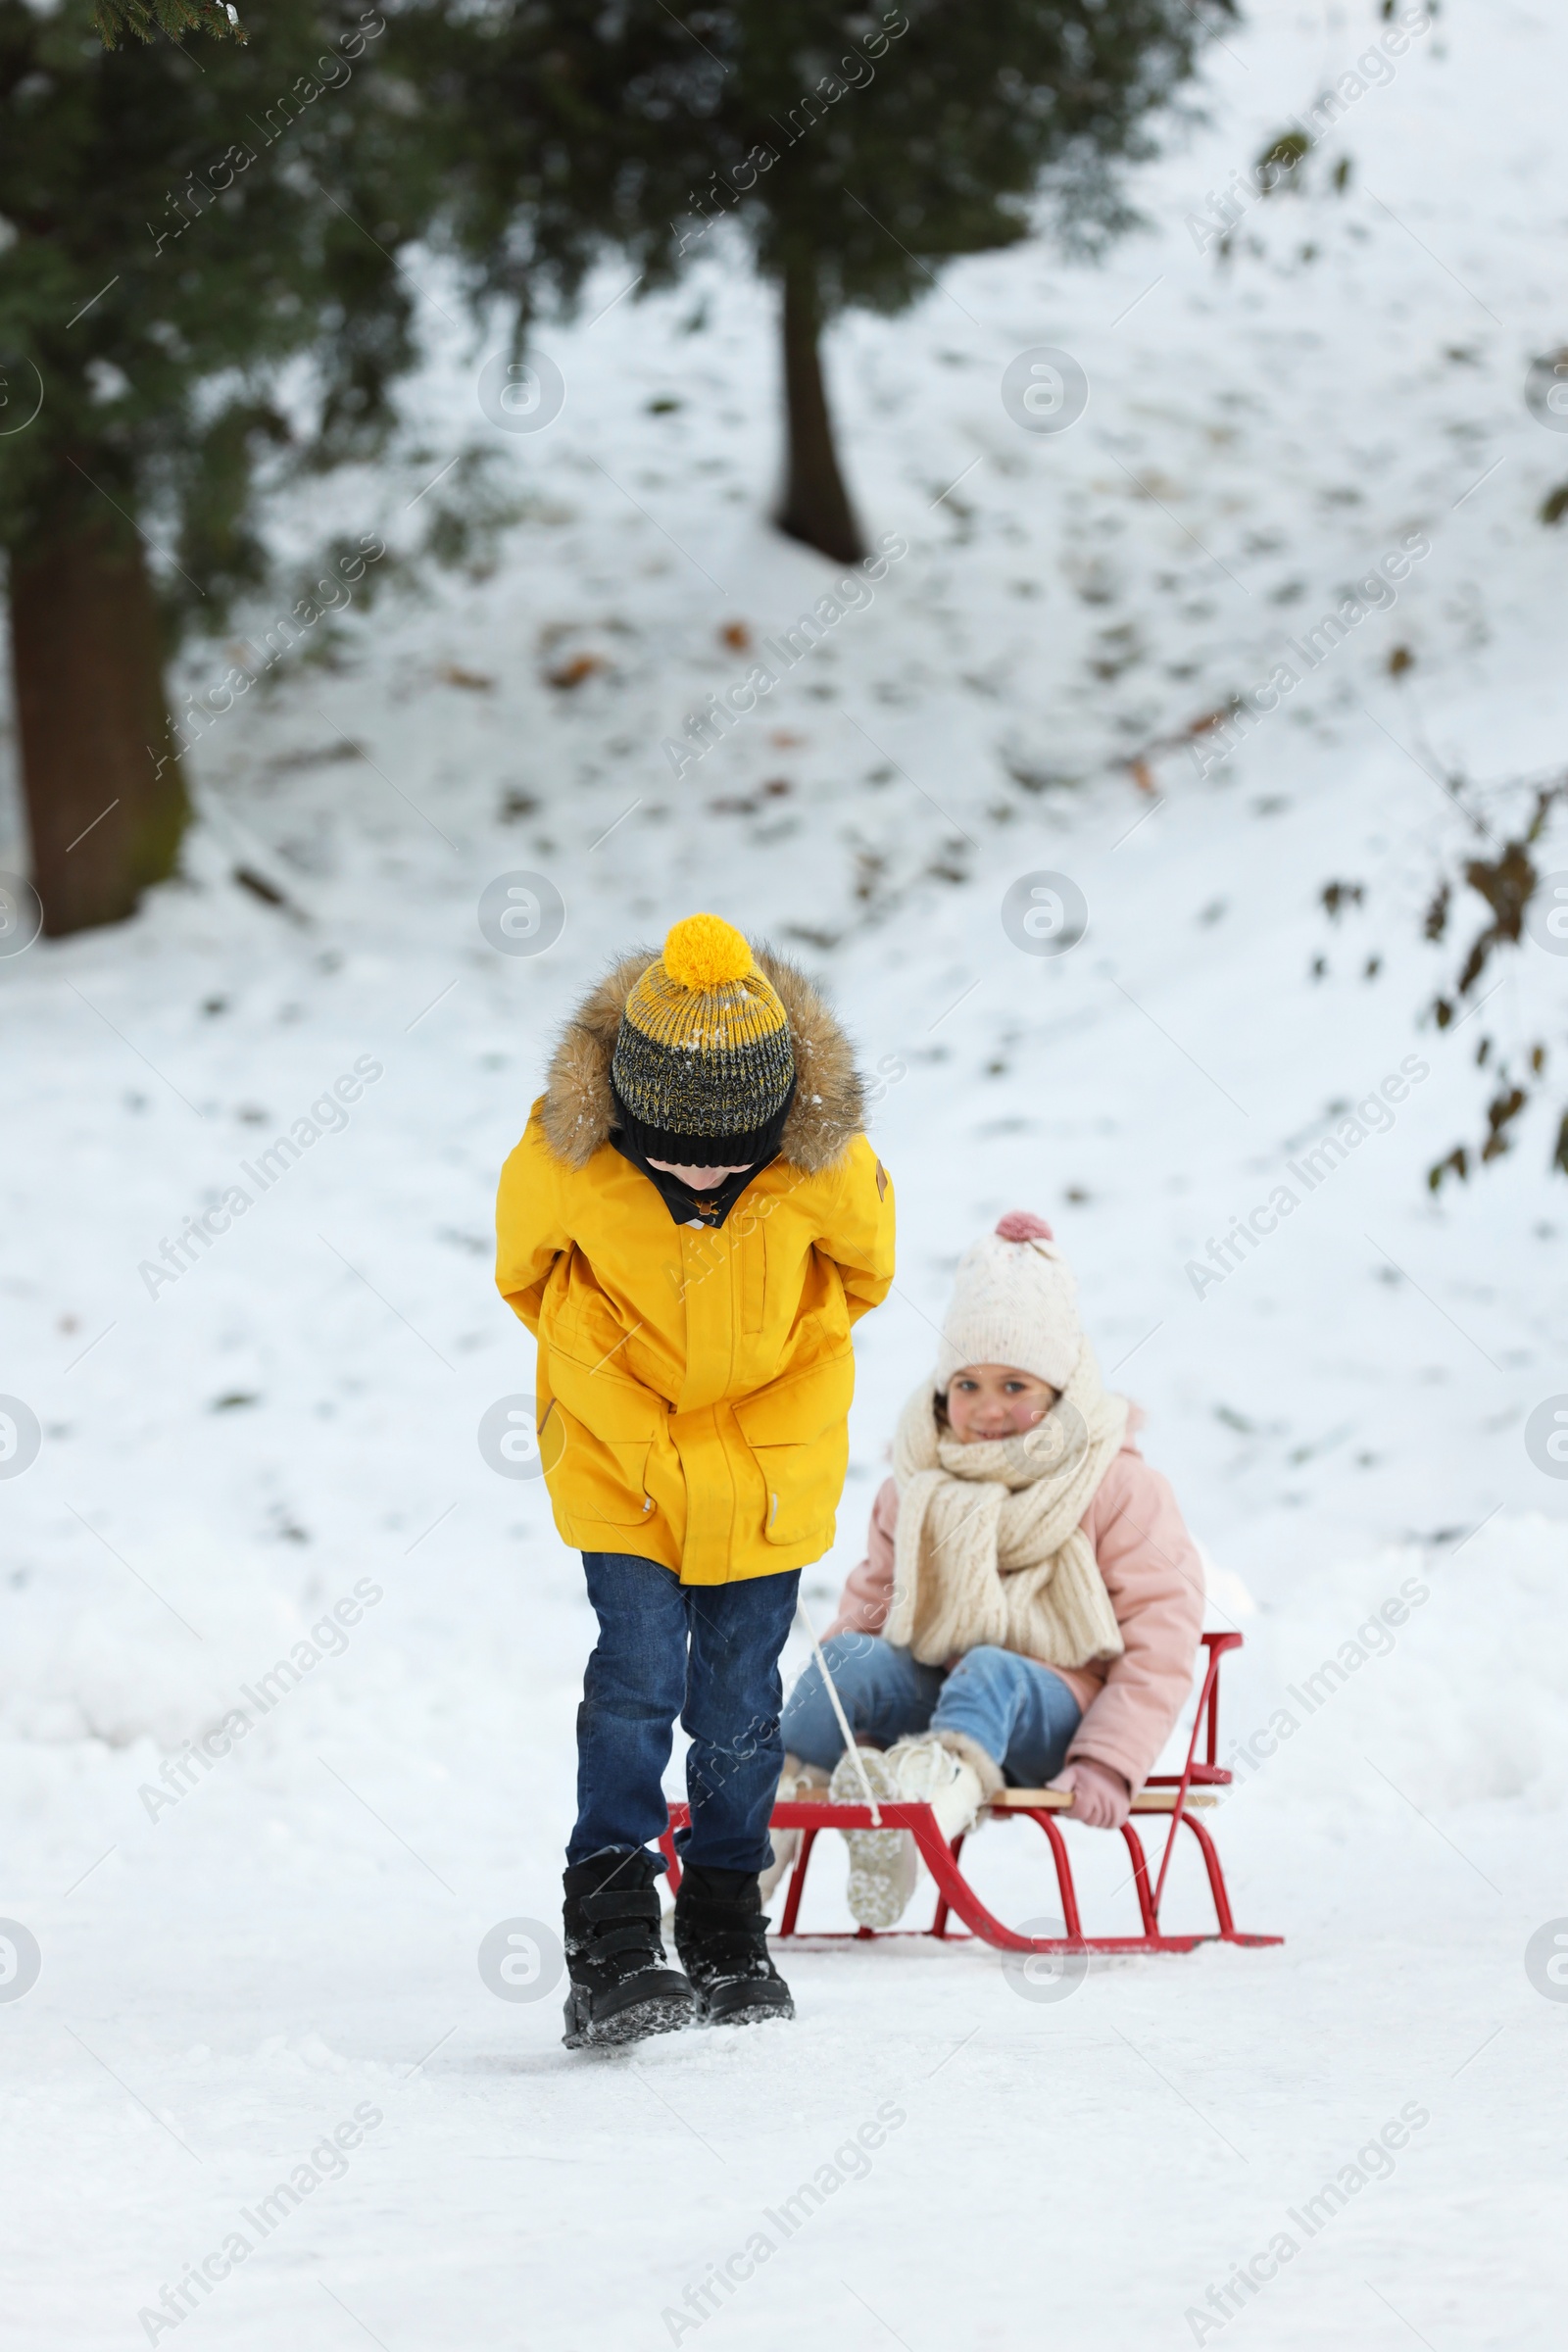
<point x="290" y="1421"/>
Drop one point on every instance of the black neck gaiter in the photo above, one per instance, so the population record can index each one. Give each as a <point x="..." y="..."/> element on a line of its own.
<point x="684" y="1205"/>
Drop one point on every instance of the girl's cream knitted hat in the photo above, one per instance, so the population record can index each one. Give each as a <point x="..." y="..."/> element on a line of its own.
<point x="1015" y="1302"/>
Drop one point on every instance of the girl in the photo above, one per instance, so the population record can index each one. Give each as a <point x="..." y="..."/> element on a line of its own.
<point x="1030" y="1603"/>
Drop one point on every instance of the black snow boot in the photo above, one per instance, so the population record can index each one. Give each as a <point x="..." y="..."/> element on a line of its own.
<point x="721" y="1940"/>
<point x="621" y="1985"/>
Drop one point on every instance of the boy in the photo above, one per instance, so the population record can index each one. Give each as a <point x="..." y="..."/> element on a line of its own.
<point x="690" y="1226"/>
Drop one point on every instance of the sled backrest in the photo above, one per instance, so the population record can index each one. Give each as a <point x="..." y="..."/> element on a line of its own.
<point x="1202" y="1771"/>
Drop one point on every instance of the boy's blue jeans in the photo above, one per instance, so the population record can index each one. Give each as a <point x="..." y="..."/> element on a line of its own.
<point x="710" y="1654"/>
<point x="1021" y="1713"/>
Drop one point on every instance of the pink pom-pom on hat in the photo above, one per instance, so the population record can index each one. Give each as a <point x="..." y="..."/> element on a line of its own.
<point x="1022" y="1225"/>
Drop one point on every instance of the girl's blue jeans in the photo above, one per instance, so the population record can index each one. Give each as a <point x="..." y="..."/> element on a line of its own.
<point x="1019" y="1711"/>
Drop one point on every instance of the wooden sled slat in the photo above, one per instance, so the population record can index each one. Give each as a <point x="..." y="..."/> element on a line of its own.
<point x="1058" y="1800"/>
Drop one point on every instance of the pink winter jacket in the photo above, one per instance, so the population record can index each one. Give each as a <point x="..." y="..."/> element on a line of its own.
<point x="1155" y="1577"/>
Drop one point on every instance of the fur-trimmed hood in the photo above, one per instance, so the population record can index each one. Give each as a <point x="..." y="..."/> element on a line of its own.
<point x="829" y="1106"/>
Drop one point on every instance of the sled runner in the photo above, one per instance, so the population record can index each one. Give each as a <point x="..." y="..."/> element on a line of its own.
<point x="1175" y="1797"/>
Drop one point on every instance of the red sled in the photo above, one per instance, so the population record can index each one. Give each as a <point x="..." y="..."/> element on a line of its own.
<point x="1177" y="1796"/>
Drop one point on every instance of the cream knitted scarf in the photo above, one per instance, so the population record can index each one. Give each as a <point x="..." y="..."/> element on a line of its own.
<point x="989" y="1548"/>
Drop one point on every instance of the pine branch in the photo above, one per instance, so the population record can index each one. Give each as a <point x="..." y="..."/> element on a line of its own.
<point x="113" y="19"/>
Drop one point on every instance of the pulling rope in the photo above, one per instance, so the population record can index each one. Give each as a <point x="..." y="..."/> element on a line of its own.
<point x="844" y="1721"/>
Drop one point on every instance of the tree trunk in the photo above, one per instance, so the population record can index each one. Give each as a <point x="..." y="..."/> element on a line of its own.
<point x="816" y="507"/>
<point x="106" y="799"/>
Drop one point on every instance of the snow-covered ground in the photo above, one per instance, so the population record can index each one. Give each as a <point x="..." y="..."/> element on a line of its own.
<point x="290" y="1941"/>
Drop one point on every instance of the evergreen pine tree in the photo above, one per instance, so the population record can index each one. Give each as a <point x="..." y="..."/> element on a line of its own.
<point x="855" y="150"/>
<point x="174" y="227"/>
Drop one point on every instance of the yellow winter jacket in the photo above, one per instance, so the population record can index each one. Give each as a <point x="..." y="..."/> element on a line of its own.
<point x="694" y="1383"/>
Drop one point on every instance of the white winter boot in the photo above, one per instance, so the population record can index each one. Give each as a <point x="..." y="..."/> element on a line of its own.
<point x="948" y="1771"/>
<point x="795" y="1780"/>
<point x="883" y="1863"/>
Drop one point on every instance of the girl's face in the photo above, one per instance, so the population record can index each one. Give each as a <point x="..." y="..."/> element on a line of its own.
<point x="995" y="1401"/>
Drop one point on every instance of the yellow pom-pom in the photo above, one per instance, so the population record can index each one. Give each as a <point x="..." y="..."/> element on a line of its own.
<point x="705" y="951"/>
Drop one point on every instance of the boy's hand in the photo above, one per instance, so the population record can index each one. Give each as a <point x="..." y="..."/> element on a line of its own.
<point x="1100" y="1797"/>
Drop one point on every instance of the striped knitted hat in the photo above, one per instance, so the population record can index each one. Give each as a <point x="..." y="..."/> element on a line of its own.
<point x="704" y="1071"/>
